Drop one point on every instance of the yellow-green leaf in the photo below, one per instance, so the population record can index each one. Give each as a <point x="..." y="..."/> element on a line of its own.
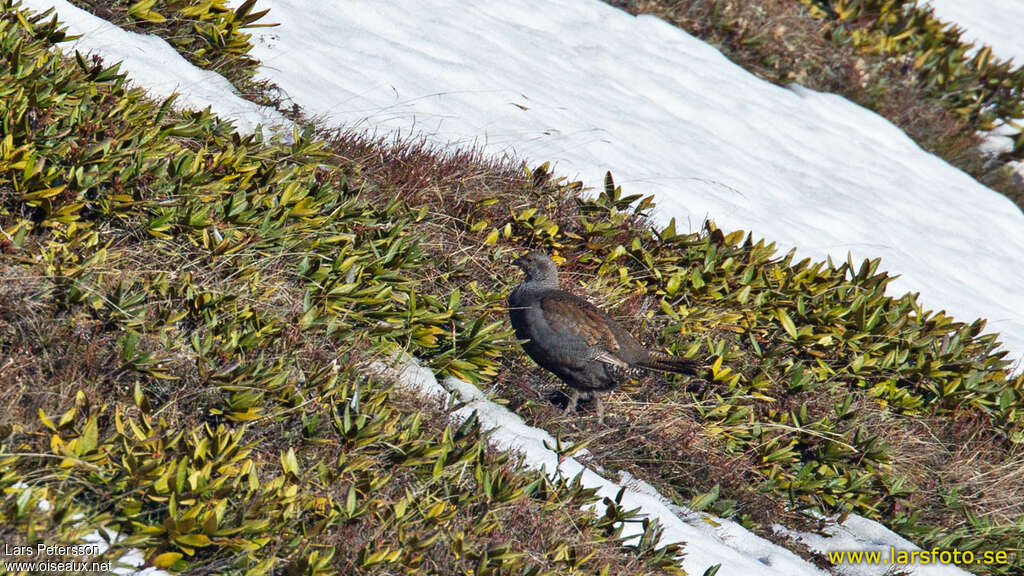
<point x="289" y="463"/>
<point x="166" y="559"/>
<point x="46" y="420"/>
<point x="787" y="322"/>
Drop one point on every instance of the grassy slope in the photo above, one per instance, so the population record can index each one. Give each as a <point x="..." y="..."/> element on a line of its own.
<point x="179" y="258"/>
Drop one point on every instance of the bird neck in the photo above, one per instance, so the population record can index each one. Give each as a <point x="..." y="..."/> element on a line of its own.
<point x="531" y="287"/>
<point x="541" y="283"/>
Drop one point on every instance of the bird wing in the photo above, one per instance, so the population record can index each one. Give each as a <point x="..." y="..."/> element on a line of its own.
<point x="571" y="316"/>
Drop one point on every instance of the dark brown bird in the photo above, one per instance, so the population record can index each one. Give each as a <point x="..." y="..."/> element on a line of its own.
<point x="573" y="339"/>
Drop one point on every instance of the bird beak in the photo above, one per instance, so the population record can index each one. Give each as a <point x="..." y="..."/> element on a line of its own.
<point x="521" y="261"/>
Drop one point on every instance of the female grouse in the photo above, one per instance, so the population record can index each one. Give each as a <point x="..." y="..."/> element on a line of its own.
<point x="573" y="339"/>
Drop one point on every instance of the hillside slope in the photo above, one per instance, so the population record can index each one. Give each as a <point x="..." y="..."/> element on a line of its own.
<point x="187" y="279"/>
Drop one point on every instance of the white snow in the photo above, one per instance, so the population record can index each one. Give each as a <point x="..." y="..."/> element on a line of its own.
<point x="130" y="563"/>
<point x="412" y="375"/>
<point x="593" y="89"/>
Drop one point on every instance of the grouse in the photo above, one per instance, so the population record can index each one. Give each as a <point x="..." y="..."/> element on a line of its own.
<point x="573" y="339"/>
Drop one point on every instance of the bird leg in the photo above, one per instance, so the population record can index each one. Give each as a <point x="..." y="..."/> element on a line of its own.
<point x="571" y="406"/>
<point x="600" y="408"/>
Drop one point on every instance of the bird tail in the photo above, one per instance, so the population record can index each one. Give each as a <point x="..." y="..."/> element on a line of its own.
<point x="667" y="363"/>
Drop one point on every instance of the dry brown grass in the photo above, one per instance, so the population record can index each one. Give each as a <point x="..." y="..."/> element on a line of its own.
<point x="955" y="454"/>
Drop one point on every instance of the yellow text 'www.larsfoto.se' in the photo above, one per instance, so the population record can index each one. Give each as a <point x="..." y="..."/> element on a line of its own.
<point x="933" y="556"/>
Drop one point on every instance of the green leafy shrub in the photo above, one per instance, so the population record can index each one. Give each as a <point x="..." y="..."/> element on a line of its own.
<point x="974" y="83"/>
<point x="208" y="33"/>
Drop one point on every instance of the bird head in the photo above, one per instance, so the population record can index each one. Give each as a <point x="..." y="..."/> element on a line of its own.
<point x="539" y="268"/>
